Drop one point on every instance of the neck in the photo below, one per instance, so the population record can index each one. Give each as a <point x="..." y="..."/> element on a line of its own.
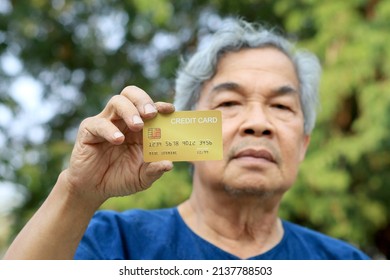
<point x="242" y="224"/>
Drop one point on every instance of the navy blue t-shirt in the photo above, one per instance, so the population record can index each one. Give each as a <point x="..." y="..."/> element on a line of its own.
<point x="163" y="235"/>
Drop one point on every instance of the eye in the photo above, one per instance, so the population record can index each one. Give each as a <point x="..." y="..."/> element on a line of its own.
<point x="281" y="106"/>
<point x="227" y="104"/>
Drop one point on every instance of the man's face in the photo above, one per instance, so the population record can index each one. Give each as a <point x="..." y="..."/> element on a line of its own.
<point x="257" y="91"/>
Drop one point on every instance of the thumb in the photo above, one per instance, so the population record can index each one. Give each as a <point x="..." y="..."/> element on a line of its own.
<point x="153" y="171"/>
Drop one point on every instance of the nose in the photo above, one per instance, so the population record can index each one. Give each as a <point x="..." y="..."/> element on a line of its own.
<point x="256" y="122"/>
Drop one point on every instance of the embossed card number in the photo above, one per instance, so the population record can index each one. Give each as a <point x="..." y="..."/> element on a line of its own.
<point x="183" y="136"/>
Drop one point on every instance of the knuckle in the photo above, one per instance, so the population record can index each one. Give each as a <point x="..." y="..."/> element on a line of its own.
<point x="131" y="90"/>
<point x="116" y="99"/>
<point x="86" y="122"/>
<point x="135" y="94"/>
<point x="112" y="106"/>
<point x="86" y="126"/>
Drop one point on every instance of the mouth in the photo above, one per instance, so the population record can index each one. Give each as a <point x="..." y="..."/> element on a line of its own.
<point x="255" y="154"/>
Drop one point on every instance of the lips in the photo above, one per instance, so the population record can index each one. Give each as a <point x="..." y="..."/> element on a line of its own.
<point x="255" y="153"/>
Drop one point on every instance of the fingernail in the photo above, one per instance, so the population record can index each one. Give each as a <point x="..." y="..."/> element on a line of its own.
<point x="118" y="135"/>
<point x="149" y="108"/>
<point x="137" y="120"/>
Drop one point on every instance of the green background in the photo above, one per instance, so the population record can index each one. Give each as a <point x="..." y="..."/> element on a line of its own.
<point x="83" y="52"/>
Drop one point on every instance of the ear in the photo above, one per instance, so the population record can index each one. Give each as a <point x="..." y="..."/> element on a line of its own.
<point x="305" y="145"/>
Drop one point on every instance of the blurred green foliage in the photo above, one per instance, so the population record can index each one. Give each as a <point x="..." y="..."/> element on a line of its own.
<point x="83" y="52"/>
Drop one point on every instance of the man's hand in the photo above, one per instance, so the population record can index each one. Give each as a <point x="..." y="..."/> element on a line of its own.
<point x="107" y="159"/>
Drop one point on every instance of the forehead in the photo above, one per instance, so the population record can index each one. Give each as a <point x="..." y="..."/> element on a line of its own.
<point x="263" y="60"/>
<point x="252" y="71"/>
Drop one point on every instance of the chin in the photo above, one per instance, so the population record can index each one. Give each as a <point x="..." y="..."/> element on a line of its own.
<point x="253" y="190"/>
<point x="256" y="183"/>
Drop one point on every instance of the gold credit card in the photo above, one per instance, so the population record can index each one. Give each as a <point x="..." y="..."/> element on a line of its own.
<point x="183" y="136"/>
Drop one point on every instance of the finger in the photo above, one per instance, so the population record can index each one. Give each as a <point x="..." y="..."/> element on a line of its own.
<point x="153" y="171"/>
<point x="120" y="107"/>
<point x="96" y="130"/>
<point x="164" y="107"/>
<point x="141" y="101"/>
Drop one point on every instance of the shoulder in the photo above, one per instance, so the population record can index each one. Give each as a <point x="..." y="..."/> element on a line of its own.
<point x="128" y="234"/>
<point x="316" y="245"/>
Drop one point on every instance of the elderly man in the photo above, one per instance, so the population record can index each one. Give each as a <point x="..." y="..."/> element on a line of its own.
<point x="267" y="93"/>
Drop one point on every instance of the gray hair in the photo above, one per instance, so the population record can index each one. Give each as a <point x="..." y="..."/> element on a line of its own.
<point x="238" y="34"/>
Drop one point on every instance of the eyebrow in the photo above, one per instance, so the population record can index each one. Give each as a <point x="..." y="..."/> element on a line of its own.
<point x="283" y="90"/>
<point x="226" y="86"/>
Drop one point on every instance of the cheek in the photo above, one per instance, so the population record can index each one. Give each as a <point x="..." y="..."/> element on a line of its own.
<point x="229" y="130"/>
<point x="293" y="153"/>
